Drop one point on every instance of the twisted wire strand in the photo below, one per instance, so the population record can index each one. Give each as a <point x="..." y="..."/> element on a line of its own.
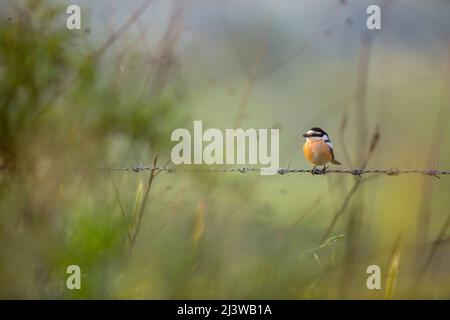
<point x="282" y="171"/>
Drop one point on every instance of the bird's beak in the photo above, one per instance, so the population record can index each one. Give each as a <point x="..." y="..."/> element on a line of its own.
<point x="305" y="135"/>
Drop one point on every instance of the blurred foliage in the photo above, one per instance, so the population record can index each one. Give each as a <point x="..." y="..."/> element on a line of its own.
<point x="66" y="108"/>
<point x="59" y="115"/>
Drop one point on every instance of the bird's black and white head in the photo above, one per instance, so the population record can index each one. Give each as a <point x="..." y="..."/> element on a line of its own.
<point x="316" y="134"/>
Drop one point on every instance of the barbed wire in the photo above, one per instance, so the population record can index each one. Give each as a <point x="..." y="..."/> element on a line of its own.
<point x="281" y="171"/>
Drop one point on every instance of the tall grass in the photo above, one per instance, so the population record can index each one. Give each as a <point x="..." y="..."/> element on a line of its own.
<point x="71" y="102"/>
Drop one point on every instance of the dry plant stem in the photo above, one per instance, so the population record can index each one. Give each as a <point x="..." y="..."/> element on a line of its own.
<point x="344" y="149"/>
<point x="116" y="191"/>
<point x="260" y="53"/>
<point x="341" y="210"/>
<point x="117" y="194"/>
<point x="158" y="76"/>
<point x="135" y="232"/>
<point x="433" y="154"/>
<point x="357" y="210"/>
<point x="318" y="200"/>
<point x="165" y="50"/>
<point x="343" y="145"/>
<point x="119" y="70"/>
<point x="435" y="246"/>
<point x="361" y="95"/>
<point x="432" y="253"/>
<point x="123" y="29"/>
<point x="393" y="268"/>
<point x="351" y="246"/>
<point x="74" y="79"/>
<point x="357" y="183"/>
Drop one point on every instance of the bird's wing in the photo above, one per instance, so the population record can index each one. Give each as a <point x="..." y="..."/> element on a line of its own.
<point x="333" y="159"/>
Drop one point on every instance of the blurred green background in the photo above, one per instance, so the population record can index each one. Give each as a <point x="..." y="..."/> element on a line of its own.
<point x="110" y="94"/>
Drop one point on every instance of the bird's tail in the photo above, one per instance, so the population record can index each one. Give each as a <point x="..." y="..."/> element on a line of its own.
<point x="334" y="161"/>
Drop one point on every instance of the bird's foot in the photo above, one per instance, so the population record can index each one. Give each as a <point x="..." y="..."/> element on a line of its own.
<point x="317" y="171"/>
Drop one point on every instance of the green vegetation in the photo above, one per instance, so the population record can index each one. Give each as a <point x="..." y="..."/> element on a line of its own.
<point x="68" y="108"/>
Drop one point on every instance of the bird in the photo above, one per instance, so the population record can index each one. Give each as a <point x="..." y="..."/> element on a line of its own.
<point x="318" y="149"/>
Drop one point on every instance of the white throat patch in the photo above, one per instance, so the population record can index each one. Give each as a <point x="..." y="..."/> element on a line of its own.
<point x="324" y="138"/>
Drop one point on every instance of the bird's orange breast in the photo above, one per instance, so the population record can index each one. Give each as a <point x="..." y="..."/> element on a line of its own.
<point x="317" y="152"/>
